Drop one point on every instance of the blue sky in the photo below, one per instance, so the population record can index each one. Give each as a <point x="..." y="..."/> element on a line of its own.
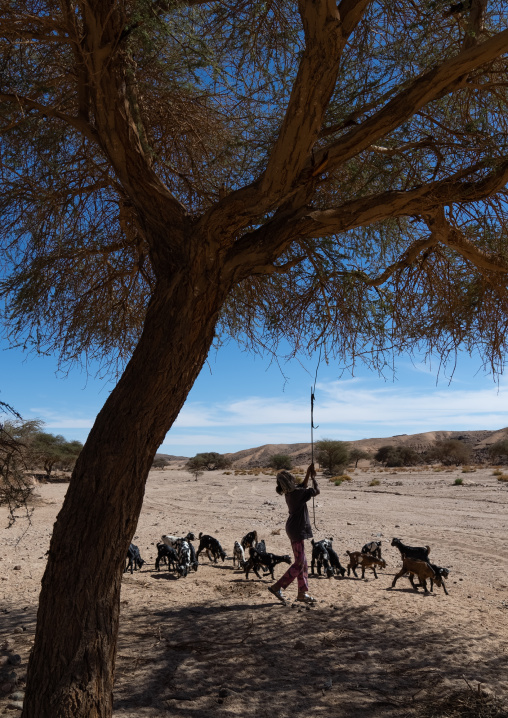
<point x="240" y="401"/>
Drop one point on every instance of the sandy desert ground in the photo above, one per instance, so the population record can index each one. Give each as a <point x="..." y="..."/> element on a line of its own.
<point x="214" y="644"/>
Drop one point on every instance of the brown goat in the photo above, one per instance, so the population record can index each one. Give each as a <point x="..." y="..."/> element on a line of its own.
<point x="423" y="570"/>
<point x="364" y="560"/>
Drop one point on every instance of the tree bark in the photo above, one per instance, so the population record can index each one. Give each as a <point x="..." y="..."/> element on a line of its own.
<point x="71" y="668"/>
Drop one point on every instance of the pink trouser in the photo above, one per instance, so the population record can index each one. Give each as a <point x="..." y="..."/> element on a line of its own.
<point x="297" y="570"/>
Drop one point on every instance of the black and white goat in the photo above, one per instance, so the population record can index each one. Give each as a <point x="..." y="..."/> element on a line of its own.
<point x="134" y="559"/>
<point x="321" y="557"/>
<point x="238" y="555"/>
<point x="263" y="560"/>
<point x="373" y="548"/>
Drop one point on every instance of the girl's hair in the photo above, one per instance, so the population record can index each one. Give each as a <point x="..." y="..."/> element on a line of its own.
<point x="285" y="483"/>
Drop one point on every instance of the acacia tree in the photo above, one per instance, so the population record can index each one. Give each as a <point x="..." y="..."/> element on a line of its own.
<point x="176" y="171"/>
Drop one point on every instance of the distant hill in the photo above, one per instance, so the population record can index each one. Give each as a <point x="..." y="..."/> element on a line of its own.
<point x="301" y="453"/>
<point x="170" y="457"/>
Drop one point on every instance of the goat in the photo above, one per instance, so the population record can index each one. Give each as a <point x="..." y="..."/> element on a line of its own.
<point x="168" y="555"/>
<point x="263" y="560"/>
<point x="260" y="546"/>
<point x="249" y="540"/>
<point x="321" y="556"/>
<point x="420" y="553"/>
<point x="238" y="555"/>
<point x="364" y="560"/>
<point x="173" y="540"/>
<point x="334" y="558"/>
<point x="193" y="558"/>
<point x="212" y="547"/>
<point x="424" y="570"/>
<point x="134" y="559"/>
<point x="373" y="547"/>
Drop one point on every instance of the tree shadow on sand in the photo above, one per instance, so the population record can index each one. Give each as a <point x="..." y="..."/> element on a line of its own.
<point x="266" y="659"/>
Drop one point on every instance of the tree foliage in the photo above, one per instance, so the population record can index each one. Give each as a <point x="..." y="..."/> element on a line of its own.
<point x="332" y="455"/>
<point x="50" y="451"/>
<point x="280" y="462"/>
<point x="451" y="452"/>
<point x="390" y="455"/>
<point x="209" y="461"/>
<point x="16" y="485"/>
<point x="378" y="162"/>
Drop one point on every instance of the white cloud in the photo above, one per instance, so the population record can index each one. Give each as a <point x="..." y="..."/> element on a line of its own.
<point x="55" y="420"/>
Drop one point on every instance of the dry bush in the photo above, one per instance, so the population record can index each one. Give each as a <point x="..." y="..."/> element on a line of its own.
<point x="374" y="482"/>
<point x="342" y="477"/>
<point x="503" y="477"/>
<point x="497" y="472"/>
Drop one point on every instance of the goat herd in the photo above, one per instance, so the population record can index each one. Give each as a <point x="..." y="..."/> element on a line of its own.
<point x="251" y="555"/>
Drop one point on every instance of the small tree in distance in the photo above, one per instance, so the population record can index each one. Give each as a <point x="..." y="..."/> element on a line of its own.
<point x="357" y="454"/>
<point x="208" y="461"/>
<point x="332" y="455"/>
<point x="280" y="462"/>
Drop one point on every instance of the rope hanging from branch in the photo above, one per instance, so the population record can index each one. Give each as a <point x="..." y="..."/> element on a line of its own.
<point x="312" y="427"/>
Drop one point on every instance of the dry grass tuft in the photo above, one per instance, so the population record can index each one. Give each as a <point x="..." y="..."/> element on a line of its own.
<point x="342" y="477"/>
<point x="374" y="482"/>
<point x="503" y="477"/>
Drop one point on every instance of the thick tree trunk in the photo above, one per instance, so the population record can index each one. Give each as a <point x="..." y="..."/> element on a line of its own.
<point x="71" y="668"/>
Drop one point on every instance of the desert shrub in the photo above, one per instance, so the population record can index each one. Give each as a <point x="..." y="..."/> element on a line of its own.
<point x="374" y="482"/>
<point x="503" y="477"/>
<point x="497" y="472"/>
<point x="332" y="455"/>
<point x="159" y="462"/>
<point x="450" y="452"/>
<point x="398" y="456"/>
<point x="280" y="462"/>
<point x="499" y="450"/>
<point x="458" y="482"/>
<point x="468" y="470"/>
<point x="337" y="482"/>
<point x="341" y="478"/>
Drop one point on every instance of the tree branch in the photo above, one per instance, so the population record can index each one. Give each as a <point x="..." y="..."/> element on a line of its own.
<point x="418" y="201"/>
<point x="444" y="232"/>
<point x="440" y="80"/>
<point x="409" y="256"/>
<point x="327" y="29"/>
<point x="25" y="103"/>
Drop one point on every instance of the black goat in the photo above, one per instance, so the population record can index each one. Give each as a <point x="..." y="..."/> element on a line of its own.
<point x="213" y="549"/>
<point x="249" y="540"/>
<point x="321" y="557"/>
<point x="334" y="558"/>
<point x="420" y="553"/>
<point x="134" y="559"/>
<point x="263" y="560"/>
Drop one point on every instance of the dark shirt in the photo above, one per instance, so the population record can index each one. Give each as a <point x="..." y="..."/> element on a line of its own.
<point x="298" y="524"/>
